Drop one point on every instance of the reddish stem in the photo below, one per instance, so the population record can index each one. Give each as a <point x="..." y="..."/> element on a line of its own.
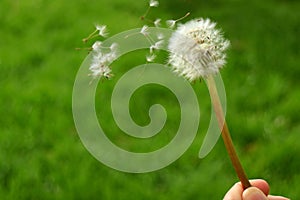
<point x="225" y="133"/>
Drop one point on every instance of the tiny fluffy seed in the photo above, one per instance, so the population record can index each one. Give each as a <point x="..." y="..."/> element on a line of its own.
<point x="101" y="60"/>
<point x="157" y="22"/>
<point x="171" y="23"/>
<point x="102" y="30"/>
<point x="153" y="3"/>
<point x="144" y="30"/>
<point x="150" y="57"/>
<point x="97" y="46"/>
<point x="157" y="45"/>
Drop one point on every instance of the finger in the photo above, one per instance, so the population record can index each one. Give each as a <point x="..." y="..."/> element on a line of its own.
<point x="261" y="184"/>
<point x="271" y="197"/>
<point x="235" y="192"/>
<point x="253" y="193"/>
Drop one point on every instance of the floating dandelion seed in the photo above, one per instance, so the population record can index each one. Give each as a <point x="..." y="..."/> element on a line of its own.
<point x="157" y="45"/>
<point x="153" y="3"/>
<point x="160" y="36"/>
<point x="101" y="60"/>
<point x="144" y="30"/>
<point x="150" y="57"/>
<point x="157" y="22"/>
<point x="97" y="46"/>
<point x="102" y="30"/>
<point x="171" y="23"/>
<point x="114" y="47"/>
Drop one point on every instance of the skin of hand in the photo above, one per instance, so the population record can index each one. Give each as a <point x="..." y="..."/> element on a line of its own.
<point x="259" y="191"/>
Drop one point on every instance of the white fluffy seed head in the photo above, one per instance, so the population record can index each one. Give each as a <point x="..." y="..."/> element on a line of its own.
<point x="197" y="49"/>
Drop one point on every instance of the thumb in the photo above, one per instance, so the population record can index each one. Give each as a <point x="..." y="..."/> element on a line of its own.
<point x="254" y="193"/>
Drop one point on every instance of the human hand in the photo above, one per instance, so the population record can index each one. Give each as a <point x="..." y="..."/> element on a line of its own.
<point x="259" y="191"/>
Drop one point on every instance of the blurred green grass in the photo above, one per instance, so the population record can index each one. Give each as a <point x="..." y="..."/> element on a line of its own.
<point x="41" y="156"/>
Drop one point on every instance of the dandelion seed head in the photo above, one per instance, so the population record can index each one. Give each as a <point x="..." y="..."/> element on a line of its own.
<point x="197" y="49"/>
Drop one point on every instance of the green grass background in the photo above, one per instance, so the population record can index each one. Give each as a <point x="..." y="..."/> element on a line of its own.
<point x="41" y="155"/>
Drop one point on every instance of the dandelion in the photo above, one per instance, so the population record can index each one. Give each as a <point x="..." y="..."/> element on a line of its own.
<point x="197" y="50"/>
<point x="153" y="3"/>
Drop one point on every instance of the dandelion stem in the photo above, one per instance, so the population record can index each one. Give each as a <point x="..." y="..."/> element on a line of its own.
<point x="90" y="36"/>
<point x="146" y="13"/>
<point x="181" y="18"/>
<point x="225" y="132"/>
<point x="79" y="48"/>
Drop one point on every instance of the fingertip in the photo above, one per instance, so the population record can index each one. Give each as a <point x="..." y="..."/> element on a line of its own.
<point x="235" y="192"/>
<point x="261" y="184"/>
<point x="254" y="193"/>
